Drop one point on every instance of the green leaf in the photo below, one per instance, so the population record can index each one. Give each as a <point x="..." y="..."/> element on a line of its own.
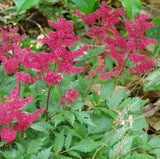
<point x="41" y="126"/>
<point x="136" y="104"/>
<point x="109" y="63"/>
<point x="44" y="154"/>
<point x="59" y="142"/>
<point x="103" y="123"/>
<point x="74" y="154"/>
<point x="62" y="157"/>
<point x="107" y="89"/>
<point x="83" y="117"/>
<point x="139" y="123"/>
<point x="109" y="112"/>
<point x="132" y="7"/>
<point x="68" y="140"/>
<point x="155" y="142"/>
<point x="115" y="99"/>
<point x="82" y="85"/>
<point x="141" y="156"/>
<point x="22" y="5"/>
<point x="157" y="152"/>
<point x="139" y="144"/>
<point x="69" y="116"/>
<point x="86" y="6"/>
<point x="11" y="154"/>
<point x="154" y="32"/>
<point x="79" y="130"/>
<point x="77" y="105"/>
<point x="86" y="145"/>
<point x="20" y="148"/>
<point x="34" y="146"/>
<point x="58" y="118"/>
<point x="152" y="82"/>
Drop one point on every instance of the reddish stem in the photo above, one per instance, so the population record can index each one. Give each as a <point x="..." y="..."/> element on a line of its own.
<point x="47" y="105"/>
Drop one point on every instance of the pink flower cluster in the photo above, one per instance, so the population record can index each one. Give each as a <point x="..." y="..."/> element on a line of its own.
<point x="13" y="118"/>
<point x="69" y="97"/>
<point x="102" y="29"/>
<point x="13" y="57"/>
<point x="11" y="54"/>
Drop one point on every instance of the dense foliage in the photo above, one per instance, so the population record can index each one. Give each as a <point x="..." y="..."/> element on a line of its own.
<point x="63" y="100"/>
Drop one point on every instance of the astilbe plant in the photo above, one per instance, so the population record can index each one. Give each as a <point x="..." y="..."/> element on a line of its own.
<point x="12" y="116"/>
<point x="60" y="55"/>
<point x="102" y="30"/>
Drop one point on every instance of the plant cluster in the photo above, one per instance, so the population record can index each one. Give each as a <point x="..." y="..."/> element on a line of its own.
<point x="80" y="119"/>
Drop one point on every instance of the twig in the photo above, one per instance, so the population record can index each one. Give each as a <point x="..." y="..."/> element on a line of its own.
<point x="38" y="25"/>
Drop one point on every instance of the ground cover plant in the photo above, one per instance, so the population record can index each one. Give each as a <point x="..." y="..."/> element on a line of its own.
<point x="66" y="99"/>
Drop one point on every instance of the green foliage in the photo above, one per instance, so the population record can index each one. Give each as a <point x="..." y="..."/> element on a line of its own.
<point x="59" y="142"/>
<point x="86" y="145"/>
<point x="68" y="140"/>
<point x="44" y="154"/>
<point x="107" y="89"/>
<point x="152" y="82"/>
<point x="141" y="156"/>
<point x="41" y="126"/>
<point x="86" y="6"/>
<point x="154" y="33"/>
<point x="34" y="146"/>
<point x="132" y="7"/>
<point x="102" y="123"/>
<point x="115" y="99"/>
<point x="109" y="122"/>
<point x="22" y="5"/>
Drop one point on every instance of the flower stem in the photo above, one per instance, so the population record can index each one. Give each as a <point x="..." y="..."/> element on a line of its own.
<point x="47" y="104"/>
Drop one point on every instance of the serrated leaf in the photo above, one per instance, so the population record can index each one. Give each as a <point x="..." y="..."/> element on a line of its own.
<point x="83" y="117"/>
<point x="58" y="118"/>
<point x="82" y="85"/>
<point x="132" y="7"/>
<point x="86" y="6"/>
<point x="62" y="157"/>
<point x="154" y="32"/>
<point x="20" y="148"/>
<point x="10" y="154"/>
<point x="35" y="145"/>
<point x="152" y="82"/>
<point x="141" y="156"/>
<point x="59" y="142"/>
<point x="86" y="145"/>
<point x="74" y="154"/>
<point x="157" y="152"/>
<point x="107" y="89"/>
<point x="68" y="140"/>
<point x="44" y="154"/>
<point x="22" y="5"/>
<point x="70" y="117"/>
<point x="139" y="123"/>
<point x="115" y="99"/>
<point x="77" y="105"/>
<point x="41" y="126"/>
<point x="103" y="123"/>
<point x="79" y="130"/>
<point x="155" y="142"/>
